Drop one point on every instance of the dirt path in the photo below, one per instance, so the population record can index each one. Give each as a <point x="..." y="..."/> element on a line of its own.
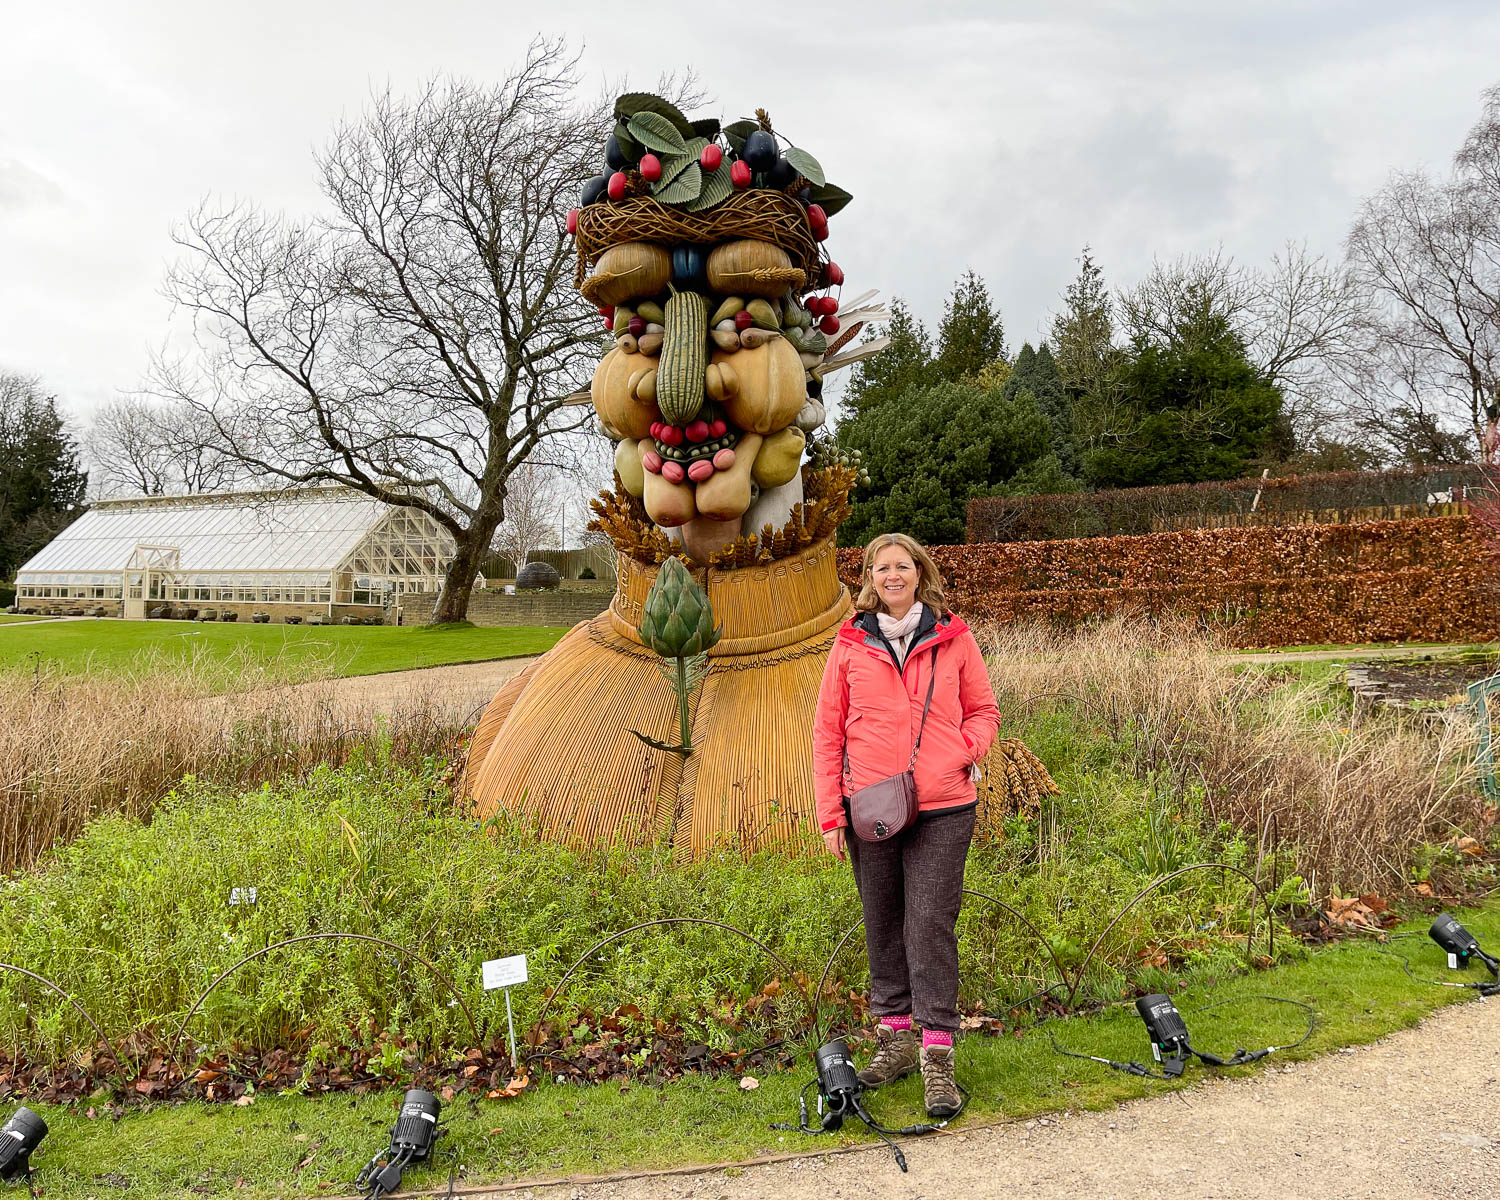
<point x="1411" y="1116"/>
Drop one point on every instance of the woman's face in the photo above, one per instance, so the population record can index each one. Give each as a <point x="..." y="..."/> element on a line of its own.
<point x="895" y="577"/>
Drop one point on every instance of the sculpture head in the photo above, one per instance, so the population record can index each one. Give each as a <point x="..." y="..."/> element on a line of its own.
<point x="702" y="248"/>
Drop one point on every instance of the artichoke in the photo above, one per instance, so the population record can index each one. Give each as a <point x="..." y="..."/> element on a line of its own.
<point x="677" y="620"/>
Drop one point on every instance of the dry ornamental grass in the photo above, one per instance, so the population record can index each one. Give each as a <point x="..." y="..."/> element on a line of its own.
<point x="1356" y="793"/>
<point x="73" y="748"/>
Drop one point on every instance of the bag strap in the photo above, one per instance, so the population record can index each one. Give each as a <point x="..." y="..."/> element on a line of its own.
<point x="926" y="704"/>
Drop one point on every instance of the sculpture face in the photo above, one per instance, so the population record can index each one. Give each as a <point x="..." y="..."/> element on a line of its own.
<point x="706" y="389"/>
<point x="701" y="246"/>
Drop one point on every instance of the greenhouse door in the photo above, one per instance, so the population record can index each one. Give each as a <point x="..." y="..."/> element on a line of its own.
<point x="134" y="594"/>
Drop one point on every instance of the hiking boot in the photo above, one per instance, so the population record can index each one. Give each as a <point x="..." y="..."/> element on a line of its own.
<point x="895" y="1056"/>
<point x="939" y="1088"/>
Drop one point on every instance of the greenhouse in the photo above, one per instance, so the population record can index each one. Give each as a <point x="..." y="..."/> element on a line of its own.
<point x="311" y="554"/>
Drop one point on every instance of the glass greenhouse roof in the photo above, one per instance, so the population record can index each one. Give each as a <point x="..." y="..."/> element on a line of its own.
<point x="299" y="531"/>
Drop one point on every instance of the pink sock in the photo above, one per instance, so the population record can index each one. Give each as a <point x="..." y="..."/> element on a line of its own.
<point x="936" y="1037"/>
<point x="897" y="1023"/>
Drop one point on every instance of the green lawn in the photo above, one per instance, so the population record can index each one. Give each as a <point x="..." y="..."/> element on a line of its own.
<point x="291" y="1145"/>
<point x="111" y="645"/>
<point x="18" y="619"/>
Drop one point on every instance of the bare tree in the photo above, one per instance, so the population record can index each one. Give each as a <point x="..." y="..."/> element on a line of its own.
<point x="531" y="509"/>
<point x="141" y="448"/>
<point x="1427" y="255"/>
<point x="421" y="342"/>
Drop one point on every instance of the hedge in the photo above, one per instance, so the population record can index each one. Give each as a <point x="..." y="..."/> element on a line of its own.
<point x="1334" y="497"/>
<point x="1423" y="579"/>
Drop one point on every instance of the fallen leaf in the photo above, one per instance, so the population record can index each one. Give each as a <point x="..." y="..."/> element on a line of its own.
<point x="749" y="1083"/>
<point x="244" y="1102"/>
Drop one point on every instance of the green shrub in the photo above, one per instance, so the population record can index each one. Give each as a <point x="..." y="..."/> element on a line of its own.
<point x="134" y="919"/>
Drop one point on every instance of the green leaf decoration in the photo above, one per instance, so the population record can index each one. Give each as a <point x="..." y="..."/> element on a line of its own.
<point x="708" y="127"/>
<point x="832" y="199"/>
<point x="685" y="187"/>
<point x="674" y="165"/>
<point x="806" y="166"/>
<point x="738" y="132"/>
<point x="628" y="146"/>
<point x="716" y="189"/>
<point x="638" y="102"/>
<point x="655" y="131"/>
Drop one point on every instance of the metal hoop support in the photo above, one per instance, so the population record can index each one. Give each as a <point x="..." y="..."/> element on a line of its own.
<point x="556" y="990"/>
<point x="68" y="996"/>
<point x="316" y="937"/>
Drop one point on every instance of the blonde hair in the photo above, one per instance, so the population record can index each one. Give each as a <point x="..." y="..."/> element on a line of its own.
<point x="929" y="578"/>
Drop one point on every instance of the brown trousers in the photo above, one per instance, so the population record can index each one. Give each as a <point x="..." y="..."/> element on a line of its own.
<point x="910" y="888"/>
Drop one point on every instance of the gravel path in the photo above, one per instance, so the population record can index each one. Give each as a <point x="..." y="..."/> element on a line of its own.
<point x="462" y="685"/>
<point x="1411" y="1116"/>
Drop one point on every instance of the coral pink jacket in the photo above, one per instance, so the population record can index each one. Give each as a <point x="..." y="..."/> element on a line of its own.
<point x="875" y="709"/>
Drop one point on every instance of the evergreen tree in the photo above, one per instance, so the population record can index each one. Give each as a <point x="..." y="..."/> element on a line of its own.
<point x="41" y="479"/>
<point x="971" y="334"/>
<point x="1194" y="408"/>
<point x="1083" y="334"/>
<point x="930" y="454"/>
<point x="904" y="364"/>
<point x="1035" y="371"/>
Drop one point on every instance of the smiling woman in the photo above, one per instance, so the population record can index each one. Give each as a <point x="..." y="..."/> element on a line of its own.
<point x="906" y="710"/>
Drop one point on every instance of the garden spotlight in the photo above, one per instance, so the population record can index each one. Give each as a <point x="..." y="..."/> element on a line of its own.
<point x="21" y="1135"/>
<point x="839" y="1092"/>
<point x="1459" y="944"/>
<point x="412" y="1136"/>
<point x="1172" y="1047"/>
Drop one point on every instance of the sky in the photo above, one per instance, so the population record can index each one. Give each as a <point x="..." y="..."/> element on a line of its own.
<point x="994" y="136"/>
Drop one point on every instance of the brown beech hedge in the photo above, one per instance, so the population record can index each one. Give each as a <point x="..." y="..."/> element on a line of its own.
<point x="1424" y="579"/>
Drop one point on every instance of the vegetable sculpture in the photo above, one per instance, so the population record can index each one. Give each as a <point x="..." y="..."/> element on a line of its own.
<point x="703" y="249"/>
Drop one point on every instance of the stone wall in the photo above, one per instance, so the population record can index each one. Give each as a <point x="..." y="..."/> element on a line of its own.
<point x="492" y="607"/>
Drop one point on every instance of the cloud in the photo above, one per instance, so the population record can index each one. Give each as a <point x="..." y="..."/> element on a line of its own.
<point x="22" y="187"/>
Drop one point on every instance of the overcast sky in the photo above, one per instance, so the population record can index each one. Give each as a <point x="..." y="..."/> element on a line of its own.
<point x="997" y="136"/>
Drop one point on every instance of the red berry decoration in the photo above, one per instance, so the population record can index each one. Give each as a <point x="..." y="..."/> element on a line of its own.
<point x="739" y="174"/>
<point x="717" y="429"/>
<point x="697" y="431"/>
<point x="607" y="311"/>
<point x="572" y="220"/>
<point x="650" y="168"/>
<point x="670" y="435"/>
<point x="617" y="186"/>
<point x="656" y="428"/>
<point x="829" y="324"/>
<point x="820" y="233"/>
<point x="637" y="325"/>
<point x="834" y="274"/>
<point x="816" y="216"/>
<point x="743" y="320"/>
<point x="711" y="157"/>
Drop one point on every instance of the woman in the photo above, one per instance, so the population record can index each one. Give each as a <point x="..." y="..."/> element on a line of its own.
<point x="869" y="712"/>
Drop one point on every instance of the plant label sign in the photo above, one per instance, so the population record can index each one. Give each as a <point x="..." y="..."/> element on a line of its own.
<point x="242" y="895"/>
<point x="504" y="972"/>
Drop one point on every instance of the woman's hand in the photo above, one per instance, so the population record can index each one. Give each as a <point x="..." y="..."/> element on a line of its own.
<point x="834" y="840"/>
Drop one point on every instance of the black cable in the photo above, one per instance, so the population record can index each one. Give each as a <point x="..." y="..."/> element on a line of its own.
<point x="1240" y="1057"/>
<point x="1484" y="989"/>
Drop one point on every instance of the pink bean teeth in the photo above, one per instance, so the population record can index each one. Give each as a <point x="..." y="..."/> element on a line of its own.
<point x="672" y="472"/>
<point x="651" y="460"/>
<point x="724" y="459"/>
<point x="700" y="470"/>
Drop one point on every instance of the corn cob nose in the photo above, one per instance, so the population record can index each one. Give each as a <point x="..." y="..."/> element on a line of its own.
<point x="684" y="358"/>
